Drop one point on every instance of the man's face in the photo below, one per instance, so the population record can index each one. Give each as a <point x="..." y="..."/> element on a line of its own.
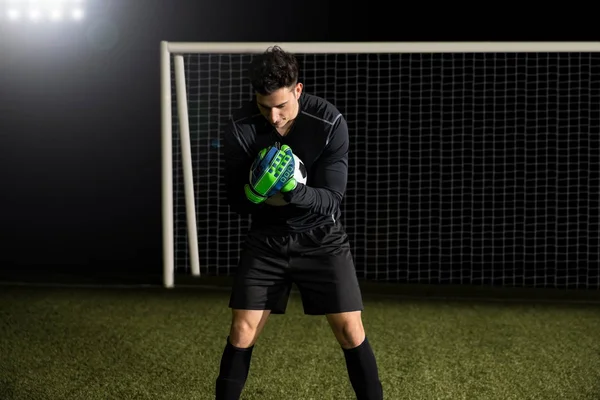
<point x="280" y="107"/>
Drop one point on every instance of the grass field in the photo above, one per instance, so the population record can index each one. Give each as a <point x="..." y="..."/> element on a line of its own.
<point x="149" y="343"/>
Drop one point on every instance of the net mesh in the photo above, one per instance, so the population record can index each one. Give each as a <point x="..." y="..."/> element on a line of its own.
<point x="464" y="167"/>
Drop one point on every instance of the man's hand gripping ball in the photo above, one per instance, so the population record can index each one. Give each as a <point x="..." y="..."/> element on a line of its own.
<point x="272" y="171"/>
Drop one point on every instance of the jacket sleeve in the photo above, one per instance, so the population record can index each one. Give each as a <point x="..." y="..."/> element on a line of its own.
<point x="329" y="176"/>
<point x="236" y="154"/>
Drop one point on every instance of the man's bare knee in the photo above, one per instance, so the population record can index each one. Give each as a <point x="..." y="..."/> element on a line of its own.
<point x="347" y="328"/>
<point x="246" y="326"/>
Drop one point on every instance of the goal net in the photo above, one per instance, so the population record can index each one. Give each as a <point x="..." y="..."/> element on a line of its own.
<point x="470" y="163"/>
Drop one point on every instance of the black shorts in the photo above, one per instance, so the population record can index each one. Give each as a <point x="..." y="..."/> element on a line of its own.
<point x="319" y="262"/>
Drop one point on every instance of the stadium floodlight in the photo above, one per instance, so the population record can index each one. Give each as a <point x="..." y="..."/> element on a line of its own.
<point x="470" y="162"/>
<point x="13" y="14"/>
<point x="40" y="10"/>
<point x="77" y="14"/>
<point x="35" y="14"/>
<point x="56" y="15"/>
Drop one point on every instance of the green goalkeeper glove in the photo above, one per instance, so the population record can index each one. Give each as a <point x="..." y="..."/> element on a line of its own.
<point x="272" y="171"/>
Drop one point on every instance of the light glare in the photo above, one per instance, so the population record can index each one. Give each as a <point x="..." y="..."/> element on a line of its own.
<point x="56" y="15"/>
<point x="34" y="14"/>
<point x="13" y="14"/>
<point x="39" y="10"/>
<point x="77" y="14"/>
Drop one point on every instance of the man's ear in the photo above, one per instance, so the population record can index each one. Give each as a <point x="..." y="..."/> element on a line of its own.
<point x="298" y="90"/>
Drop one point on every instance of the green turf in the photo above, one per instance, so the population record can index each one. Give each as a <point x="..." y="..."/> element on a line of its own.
<point x="86" y="344"/>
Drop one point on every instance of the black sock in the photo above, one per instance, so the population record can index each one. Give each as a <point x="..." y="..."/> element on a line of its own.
<point x="235" y="364"/>
<point x="362" y="371"/>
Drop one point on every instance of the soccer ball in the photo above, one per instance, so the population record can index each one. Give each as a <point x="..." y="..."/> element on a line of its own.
<point x="299" y="170"/>
<point x="300" y="175"/>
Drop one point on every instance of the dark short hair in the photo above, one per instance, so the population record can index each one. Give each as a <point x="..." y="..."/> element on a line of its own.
<point x="272" y="70"/>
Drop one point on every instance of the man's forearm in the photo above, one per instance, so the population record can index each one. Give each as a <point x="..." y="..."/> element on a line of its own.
<point x="318" y="200"/>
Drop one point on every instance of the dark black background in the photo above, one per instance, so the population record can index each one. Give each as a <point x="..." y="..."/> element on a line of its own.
<point x="80" y="109"/>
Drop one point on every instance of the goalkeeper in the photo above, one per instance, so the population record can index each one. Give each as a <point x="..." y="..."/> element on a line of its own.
<point x="296" y="235"/>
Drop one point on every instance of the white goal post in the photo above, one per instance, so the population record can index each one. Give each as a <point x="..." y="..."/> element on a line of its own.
<point x="172" y="61"/>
